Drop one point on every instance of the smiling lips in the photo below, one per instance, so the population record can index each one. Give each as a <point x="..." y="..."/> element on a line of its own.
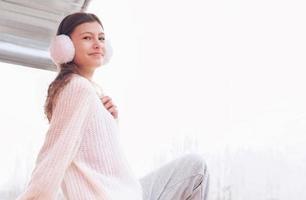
<point x="96" y="54"/>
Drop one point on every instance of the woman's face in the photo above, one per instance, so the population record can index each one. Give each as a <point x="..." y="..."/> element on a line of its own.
<point x="88" y="39"/>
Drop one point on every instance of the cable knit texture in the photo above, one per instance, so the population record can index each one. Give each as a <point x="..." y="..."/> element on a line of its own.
<point x="81" y="153"/>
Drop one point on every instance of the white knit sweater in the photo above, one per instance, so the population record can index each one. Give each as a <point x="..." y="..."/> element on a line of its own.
<point x="81" y="154"/>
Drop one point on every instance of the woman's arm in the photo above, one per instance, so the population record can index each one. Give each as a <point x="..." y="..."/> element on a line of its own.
<point x="62" y="141"/>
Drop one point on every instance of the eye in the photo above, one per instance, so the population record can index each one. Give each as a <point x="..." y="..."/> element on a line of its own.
<point x="101" y="38"/>
<point x="87" y="37"/>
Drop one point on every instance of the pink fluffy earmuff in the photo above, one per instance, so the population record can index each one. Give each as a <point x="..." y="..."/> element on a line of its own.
<point x="62" y="50"/>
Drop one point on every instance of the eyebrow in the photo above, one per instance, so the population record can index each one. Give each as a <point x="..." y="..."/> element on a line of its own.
<point x="101" y="33"/>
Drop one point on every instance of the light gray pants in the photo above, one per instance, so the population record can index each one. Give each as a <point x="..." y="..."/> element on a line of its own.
<point x="181" y="179"/>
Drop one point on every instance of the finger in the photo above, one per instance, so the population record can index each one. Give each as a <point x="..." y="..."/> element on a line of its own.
<point x="115" y="115"/>
<point x="114" y="112"/>
<point x="105" y="99"/>
<point x="112" y="109"/>
<point x="109" y="105"/>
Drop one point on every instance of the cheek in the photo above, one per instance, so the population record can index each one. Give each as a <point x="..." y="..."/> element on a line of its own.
<point x="80" y="51"/>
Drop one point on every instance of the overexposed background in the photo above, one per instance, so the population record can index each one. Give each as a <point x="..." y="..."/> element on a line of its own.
<point x="225" y="79"/>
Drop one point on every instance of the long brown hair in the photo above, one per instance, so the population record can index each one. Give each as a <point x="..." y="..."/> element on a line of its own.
<point x="67" y="26"/>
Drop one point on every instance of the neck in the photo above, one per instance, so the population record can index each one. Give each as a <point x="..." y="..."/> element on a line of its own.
<point x="86" y="73"/>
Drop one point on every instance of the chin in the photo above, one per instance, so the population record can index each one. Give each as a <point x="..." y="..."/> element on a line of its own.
<point x="96" y="64"/>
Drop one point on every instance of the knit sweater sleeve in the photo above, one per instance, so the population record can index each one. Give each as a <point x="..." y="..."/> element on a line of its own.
<point x="62" y="140"/>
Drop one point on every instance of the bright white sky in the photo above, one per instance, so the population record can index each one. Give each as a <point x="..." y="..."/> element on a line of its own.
<point x="226" y="73"/>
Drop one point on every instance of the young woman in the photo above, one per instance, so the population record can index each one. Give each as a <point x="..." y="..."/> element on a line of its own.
<point x="81" y="154"/>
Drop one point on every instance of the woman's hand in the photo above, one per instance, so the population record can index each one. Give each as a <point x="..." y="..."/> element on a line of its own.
<point x="108" y="104"/>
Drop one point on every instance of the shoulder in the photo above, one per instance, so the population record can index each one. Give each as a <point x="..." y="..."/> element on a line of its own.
<point x="78" y="84"/>
<point x="80" y="81"/>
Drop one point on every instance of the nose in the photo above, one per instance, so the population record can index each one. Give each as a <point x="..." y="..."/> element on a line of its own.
<point x="98" y="44"/>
